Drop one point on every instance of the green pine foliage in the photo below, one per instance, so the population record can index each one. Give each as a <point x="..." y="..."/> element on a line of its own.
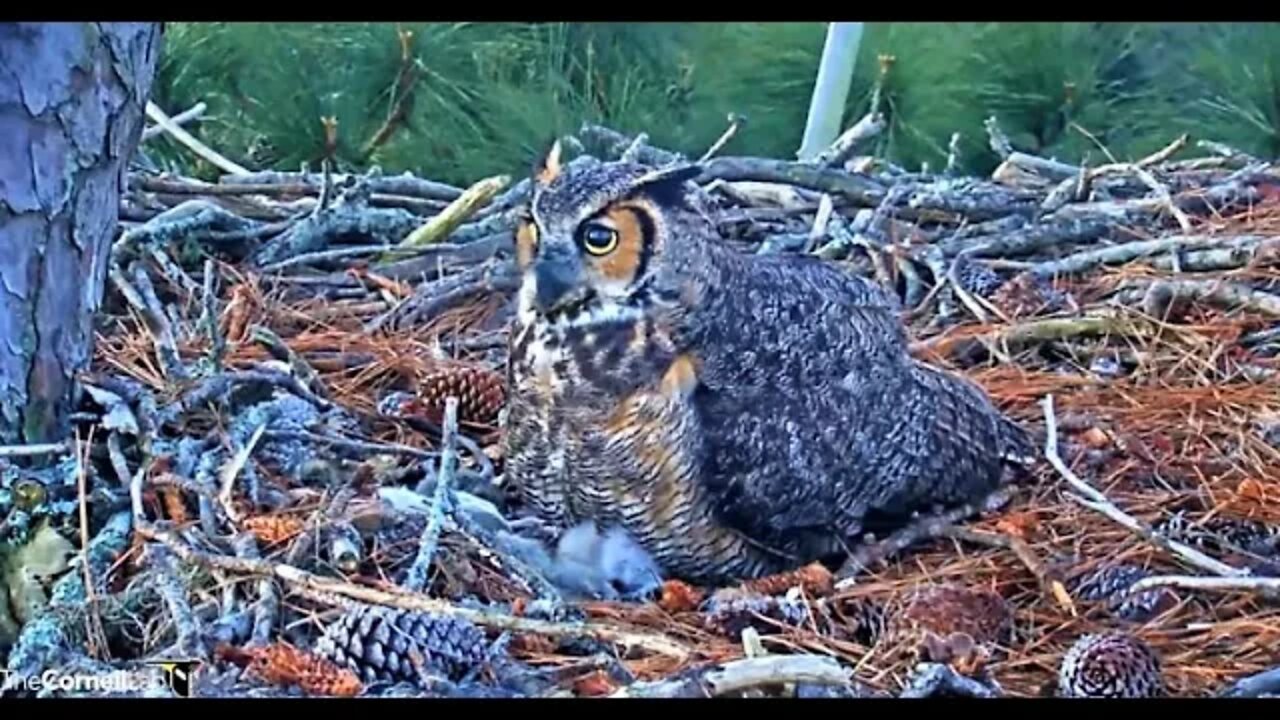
<point x="461" y="101"/>
<point x="1232" y="86"/>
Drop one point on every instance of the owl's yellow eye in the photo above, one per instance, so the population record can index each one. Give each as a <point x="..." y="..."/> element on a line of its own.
<point x="599" y="239"/>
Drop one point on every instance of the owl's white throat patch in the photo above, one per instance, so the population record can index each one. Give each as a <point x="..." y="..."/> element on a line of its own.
<point x="599" y="310"/>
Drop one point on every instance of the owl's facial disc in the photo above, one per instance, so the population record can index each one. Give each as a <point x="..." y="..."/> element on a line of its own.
<point x="600" y="260"/>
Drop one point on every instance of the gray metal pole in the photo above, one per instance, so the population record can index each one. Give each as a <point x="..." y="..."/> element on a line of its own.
<point x="831" y="89"/>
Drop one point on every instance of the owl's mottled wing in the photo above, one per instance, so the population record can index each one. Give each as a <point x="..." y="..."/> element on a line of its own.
<point x="815" y="416"/>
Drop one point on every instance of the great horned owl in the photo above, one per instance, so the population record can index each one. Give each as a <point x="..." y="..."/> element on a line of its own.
<point x="738" y="415"/>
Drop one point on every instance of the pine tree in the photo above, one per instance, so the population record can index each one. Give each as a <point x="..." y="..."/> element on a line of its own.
<point x="71" y="113"/>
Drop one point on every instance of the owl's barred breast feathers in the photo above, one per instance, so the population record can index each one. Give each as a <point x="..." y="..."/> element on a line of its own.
<point x="737" y="414"/>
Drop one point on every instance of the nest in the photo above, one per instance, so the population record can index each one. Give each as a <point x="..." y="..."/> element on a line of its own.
<point x="264" y="374"/>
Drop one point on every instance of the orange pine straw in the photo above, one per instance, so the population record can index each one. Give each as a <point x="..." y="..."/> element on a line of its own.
<point x="1182" y="425"/>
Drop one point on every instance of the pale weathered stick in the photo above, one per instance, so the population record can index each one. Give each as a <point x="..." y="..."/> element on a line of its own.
<point x="745" y="674"/>
<point x="734" y="123"/>
<point x="12" y="451"/>
<point x="1096" y="501"/>
<point x="1159" y="294"/>
<point x="871" y="124"/>
<point x="1263" y="585"/>
<point x="323" y="587"/>
<point x="167" y="125"/>
<point x="181" y="118"/>
<point x="232" y="470"/>
<point x="417" y="578"/>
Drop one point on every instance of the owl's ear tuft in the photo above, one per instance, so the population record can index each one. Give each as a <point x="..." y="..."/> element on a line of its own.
<point x="548" y="166"/>
<point x="668" y="182"/>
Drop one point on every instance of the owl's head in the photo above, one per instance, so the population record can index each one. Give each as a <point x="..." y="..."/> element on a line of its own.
<point x="594" y="234"/>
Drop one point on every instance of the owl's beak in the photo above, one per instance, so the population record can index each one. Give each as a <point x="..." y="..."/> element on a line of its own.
<point x="556" y="281"/>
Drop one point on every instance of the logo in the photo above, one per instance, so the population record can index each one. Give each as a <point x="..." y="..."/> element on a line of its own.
<point x="178" y="674"/>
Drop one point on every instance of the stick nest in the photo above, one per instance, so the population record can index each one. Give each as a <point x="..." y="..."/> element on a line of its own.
<point x="258" y="408"/>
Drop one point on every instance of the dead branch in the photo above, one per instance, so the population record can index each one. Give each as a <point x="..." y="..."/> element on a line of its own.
<point x="1098" y="502"/>
<point x="735" y="122"/>
<point x="323" y="587"/>
<point x="745" y="674"/>
<point x="1050" y="581"/>
<point x="417" y="578"/>
<point x="167" y="125"/>
<point x="182" y="118"/>
<point x="1157" y="296"/>
<point x="925" y="528"/>
<point x="471" y="200"/>
<point x="869" y="126"/>
<point x="1267" y="586"/>
<point x="1089" y="260"/>
<point x="35" y="449"/>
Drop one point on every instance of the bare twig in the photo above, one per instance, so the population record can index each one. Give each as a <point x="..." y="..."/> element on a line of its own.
<point x="165" y="123"/>
<point x="1049" y="581"/>
<point x="734" y="123"/>
<point x="440" y="226"/>
<point x="632" y="153"/>
<point x="1088" y="260"/>
<point x="182" y="118"/>
<point x="232" y="470"/>
<point x="1095" y="500"/>
<point x="869" y="126"/>
<point x="35" y="449"/>
<point x="746" y="674"/>
<point x="925" y="528"/>
<point x="165" y="572"/>
<point x="142" y="296"/>
<point x="1158" y="294"/>
<point x="1263" y="585"/>
<point x="417" y="578"/>
<point x="321" y="587"/>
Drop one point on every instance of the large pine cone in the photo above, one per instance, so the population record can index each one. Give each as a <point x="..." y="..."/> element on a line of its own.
<point x="376" y="642"/>
<point x="944" y="610"/>
<point x="481" y="394"/>
<point x="1110" y="665"/>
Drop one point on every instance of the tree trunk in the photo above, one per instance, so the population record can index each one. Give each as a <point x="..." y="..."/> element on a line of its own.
<point x="72" y="102"/>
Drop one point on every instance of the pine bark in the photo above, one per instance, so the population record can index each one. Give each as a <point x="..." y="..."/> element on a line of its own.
<point x="72" y="102"/>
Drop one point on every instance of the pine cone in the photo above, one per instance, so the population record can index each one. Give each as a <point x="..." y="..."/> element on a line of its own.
<point x="1222" y="534"/>
<point x="283" y="664"/>
<point x="729" y="613"/>
<point x="977" y="278"/>
<point x="381" y="644"/>
<point x="867" y="619"/>
<point x="948" y="609"/>
<point x="1027" y="294"/>
<point x="1108" y="586"/>
<point x="1113" y="665"/>
<point x="481" y="394"/>
<point x="274" y="529"/>
<point x="814" y="579"/>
